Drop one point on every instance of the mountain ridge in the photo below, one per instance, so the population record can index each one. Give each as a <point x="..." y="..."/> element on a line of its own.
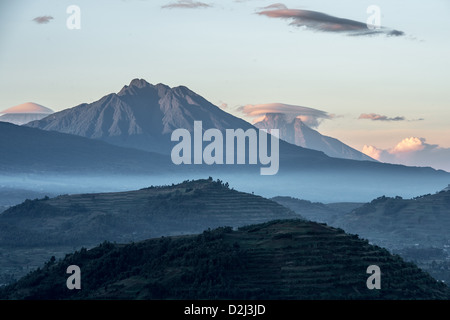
<point x="298" y="133"/>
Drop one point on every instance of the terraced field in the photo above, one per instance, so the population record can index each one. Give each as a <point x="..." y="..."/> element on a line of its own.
<point x="72" y="221"/>
<point x="284" y="259"/>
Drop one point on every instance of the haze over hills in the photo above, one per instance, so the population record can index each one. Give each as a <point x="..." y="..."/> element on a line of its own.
<point x="296" y="132"/>
<point x="142" y="116"/>
<point x="277" y="260"/>
<point x="24" y="113"/>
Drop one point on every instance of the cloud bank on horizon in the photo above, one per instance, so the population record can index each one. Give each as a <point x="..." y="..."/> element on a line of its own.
<point x="319" y="21"/>
<point x="310" y="116"/>
<point x="412" y="151"/>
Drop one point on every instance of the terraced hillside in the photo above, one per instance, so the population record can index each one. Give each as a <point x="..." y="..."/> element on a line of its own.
<point x="284" y="259"/>
<point x="397" y="223"/>
<point x="417" y="229"/>
<point x="46" y="227"/>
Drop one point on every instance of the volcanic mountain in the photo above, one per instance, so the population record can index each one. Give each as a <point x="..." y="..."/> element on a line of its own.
<point x="24" y="113"/>
<point x="295" y="131"/>
<point x="141" y="116"/>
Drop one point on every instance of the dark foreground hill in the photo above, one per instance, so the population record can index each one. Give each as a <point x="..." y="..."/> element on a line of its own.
<point x="284" y="259"/>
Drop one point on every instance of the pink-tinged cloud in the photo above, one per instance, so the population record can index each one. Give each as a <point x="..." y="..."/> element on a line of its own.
<point x="186" y="4"/>
<point x="409" y="145"/>
<point x="310" y="116"/>
<point x="42" y="19"/>
<point x="379" y="117"/>
<point x="223" y="105"/>
<point x="412" y="151"/>
<point x="323" y="22"/>
<point x="372" y="152"/>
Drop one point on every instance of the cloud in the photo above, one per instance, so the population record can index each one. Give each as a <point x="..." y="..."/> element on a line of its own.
<point x="223" y="105"/>
<point x="379" y="117"/>
<point x="311" y="117"/>
<point x="186" y="4"/>
<point x="323" y="22"/>
<point x="372" y="152"/>
<point x="42" y="19"/>
<point x="412" y="151"/>
<point x="409" y="145"/>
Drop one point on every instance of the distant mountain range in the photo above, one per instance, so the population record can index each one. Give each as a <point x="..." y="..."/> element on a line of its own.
<point x="278" y="260"/>
<point x="24" y="113"/>
<point x="296" y="132"/>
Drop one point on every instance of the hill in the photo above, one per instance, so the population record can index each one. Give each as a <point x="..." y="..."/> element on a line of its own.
<point x="284" y="259"/>
<point x="397" y="222"/>
<point x="417" y="228"/>
<point x="50" y="226"/>
<point x="317" y="211"/>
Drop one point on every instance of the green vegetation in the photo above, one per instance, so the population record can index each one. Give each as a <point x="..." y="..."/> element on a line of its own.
<point x="283" y="259"/>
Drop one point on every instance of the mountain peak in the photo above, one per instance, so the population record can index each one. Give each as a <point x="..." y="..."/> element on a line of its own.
<point x="295" y="131"/>
<point x="140" y="83"/>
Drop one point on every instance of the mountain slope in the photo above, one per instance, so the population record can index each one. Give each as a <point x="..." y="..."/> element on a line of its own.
<point x="298" y="133"/>
<point x="32" y="150"/>
<point x="284" y="259"/>
<point x="141" y="116"/>
<point x="397" y="223"/>
<point x="417" y="229"/>
<point x="316" y="211"/>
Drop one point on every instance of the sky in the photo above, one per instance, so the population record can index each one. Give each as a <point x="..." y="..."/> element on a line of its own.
<point x="382" y="91"/>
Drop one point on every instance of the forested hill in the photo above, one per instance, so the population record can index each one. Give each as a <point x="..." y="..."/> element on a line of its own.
<point x="284" y="259"/>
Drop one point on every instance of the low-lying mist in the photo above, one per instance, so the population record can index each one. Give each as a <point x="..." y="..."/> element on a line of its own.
<point x="326" y="187"/>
